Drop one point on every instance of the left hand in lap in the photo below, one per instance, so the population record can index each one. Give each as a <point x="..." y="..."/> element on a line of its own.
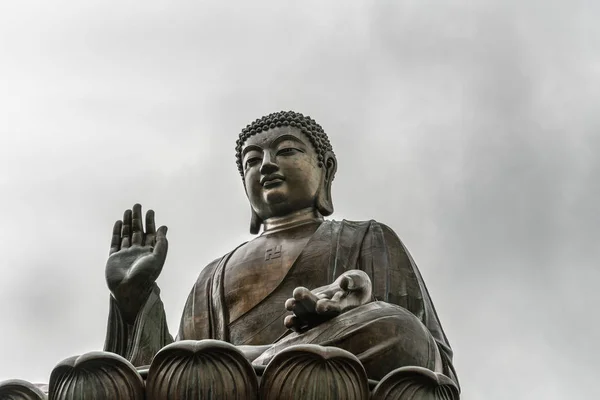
<point x="313" y="307"/>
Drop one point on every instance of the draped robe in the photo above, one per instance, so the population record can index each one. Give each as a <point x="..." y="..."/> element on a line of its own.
<point x="335" y="247"/>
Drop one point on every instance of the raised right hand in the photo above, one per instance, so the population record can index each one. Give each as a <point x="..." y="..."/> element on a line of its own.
<point x="136" y="260"/>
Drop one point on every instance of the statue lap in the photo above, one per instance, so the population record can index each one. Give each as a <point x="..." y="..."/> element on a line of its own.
<point x="382" y="336"/>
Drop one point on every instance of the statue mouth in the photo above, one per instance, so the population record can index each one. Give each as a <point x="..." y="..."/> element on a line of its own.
<point x="271" y="181"/>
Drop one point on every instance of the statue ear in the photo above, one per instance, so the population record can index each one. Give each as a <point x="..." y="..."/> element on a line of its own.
<point x="255" y="222"/>
<point x="324" y="201"/>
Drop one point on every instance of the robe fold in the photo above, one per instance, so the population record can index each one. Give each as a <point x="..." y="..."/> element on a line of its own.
<point x="335" y="247"/>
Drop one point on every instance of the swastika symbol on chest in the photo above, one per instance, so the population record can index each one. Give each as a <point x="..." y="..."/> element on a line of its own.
<point x="272" y="253"/>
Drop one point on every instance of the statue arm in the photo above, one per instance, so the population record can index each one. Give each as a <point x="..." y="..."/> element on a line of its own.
<point x="399" y="281"/>
<point x="137" y="326"/>
<point x="200" y="313"/>
<point x="140" y="341"/>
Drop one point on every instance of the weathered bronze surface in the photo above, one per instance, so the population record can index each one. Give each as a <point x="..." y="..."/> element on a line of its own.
<point x="310" y="308"/>
<point x="314" y="372"/>
<point x="201" y="370"/>
<point x="16" y="389"/>
<point x="96" y="376"/>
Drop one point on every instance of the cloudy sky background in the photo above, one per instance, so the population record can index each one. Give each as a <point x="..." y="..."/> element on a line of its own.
<point x="470" y="128"/>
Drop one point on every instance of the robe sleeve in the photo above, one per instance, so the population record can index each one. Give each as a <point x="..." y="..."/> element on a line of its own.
<point x="203" y="317"/>
<point x="205" y="314"/>
<point x="397" y="280"/>
<point x="141" y="341"/>
<point x="198" y="318"/>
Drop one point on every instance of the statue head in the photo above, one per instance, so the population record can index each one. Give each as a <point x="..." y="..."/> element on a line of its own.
<point x="287" y="164"/>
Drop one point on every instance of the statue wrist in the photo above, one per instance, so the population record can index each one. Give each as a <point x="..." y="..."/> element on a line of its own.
<point x="130" y="303"/>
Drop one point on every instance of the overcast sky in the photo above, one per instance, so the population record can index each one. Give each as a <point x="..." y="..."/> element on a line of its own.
<point x="470" y="128"/>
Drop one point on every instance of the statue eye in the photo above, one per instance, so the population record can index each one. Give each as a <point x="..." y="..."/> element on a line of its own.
<point x="288" y="151"/>
<point x="252" y="161"/>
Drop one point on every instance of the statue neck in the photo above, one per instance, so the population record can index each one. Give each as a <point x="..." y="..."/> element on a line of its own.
<point x="300" y="217"/>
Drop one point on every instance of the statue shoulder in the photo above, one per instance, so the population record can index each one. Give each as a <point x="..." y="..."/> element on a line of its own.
<point x="392" y="240"/>
<point x="195" y="319"/>
<point x="372" y="226"/>
<point x="388" y="232"/>
<point x="208" y="271"/>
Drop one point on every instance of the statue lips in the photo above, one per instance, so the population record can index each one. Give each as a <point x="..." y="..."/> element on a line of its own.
<point x="270" y="181"/>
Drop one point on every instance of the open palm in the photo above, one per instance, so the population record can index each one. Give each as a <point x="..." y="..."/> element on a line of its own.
<point x="136" y="259"/>
<point x="310" y="308"/>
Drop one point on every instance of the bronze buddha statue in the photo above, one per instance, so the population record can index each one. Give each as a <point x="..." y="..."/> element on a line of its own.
<point x="303" y="280"/>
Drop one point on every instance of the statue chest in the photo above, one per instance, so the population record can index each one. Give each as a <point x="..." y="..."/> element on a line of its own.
<point x="256" y="269"/>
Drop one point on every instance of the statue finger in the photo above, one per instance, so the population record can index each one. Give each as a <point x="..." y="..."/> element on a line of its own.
<point x="137" y="228"/>
<point x="339" y="295"/>
<point x="328" y="307"/>
<point x="150" y="228"/>
<point x="162" y="244"/>
<point x="327" y="292"/>
<point x="289" y="321"/>
<point x="359" y="283"/>
<point x="302" y="293"/>
<point x="333" y="305"/>
<point x="304" y="313"/>
<point x="305" y="301"/>
<point x="115" y="243"/>
<point x="290" y="304"/>
<point x="354" y="280"/>
<point x="346" y="283"/>
<point x="298" y="305"/>
<point x="126" y="231"/>
<point x="350" y="282"/>
<point x="294" y="323"/>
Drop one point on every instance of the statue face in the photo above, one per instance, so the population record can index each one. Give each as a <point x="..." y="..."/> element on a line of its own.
<point x="281" y="172"/>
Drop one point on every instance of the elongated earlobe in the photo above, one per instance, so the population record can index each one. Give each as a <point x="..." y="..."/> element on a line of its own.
<point x="255" y="222"/>
<point x="324" y="201"/>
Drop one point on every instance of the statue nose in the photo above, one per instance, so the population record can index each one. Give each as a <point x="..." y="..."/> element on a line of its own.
<point x="268" y="166"/>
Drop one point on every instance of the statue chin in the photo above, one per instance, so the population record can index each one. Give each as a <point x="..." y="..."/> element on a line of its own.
<point x="275" y="195"/>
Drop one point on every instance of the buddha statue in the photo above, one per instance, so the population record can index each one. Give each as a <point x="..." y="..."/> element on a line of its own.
<point x="302" y="280"/>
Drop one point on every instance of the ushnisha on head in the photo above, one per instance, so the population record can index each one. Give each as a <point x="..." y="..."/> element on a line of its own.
<point x="288" y="165"/>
